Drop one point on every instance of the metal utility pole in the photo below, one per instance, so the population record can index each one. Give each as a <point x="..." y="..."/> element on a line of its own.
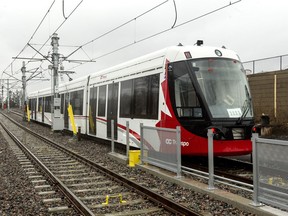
<point x="57" y="121"/>
<point x="23" y="69"/>
<point x="3" y="95"/>
<point x="8" y="96"/>
<point x="55" y="61"/>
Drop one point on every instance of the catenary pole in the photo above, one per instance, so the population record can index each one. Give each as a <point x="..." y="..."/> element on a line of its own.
<point x="55" y="85"/>
<point x="23" y="69"/>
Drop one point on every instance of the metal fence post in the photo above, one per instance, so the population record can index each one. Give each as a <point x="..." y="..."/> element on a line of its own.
<point x="178" y="151"/>
<point x="141" y="143"/>
<point x="255" y="170"/>
<point x="210" y="160"/>
<point x="112" y="136"/>
<point x="127" y="139"/>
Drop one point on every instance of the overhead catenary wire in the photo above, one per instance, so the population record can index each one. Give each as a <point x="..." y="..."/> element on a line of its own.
<point x="58" y="28"/>
<point x="38" y="50"/>
<point x="31" y="36"/>
<point x="161" y="32"/>
<point x="120" y="26"/>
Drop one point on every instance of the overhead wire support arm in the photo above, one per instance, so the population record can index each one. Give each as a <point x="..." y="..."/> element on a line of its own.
<point x="27" y="58"/>
<point x="79" y="61"/>
<point x="12" y="76"/>
<point x="45" y="57"/>
<point x="32" y="35"/>
<point x="34" y="75"/>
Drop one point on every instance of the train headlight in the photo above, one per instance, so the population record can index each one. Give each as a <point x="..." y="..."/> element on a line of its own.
<point x="217" y="133"/>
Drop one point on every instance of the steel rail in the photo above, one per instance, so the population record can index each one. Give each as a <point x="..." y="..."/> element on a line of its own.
<point x="74" y="200"/>
<point x="166" y="203"/>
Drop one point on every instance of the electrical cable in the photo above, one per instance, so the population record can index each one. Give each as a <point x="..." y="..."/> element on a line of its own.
<point x="57" y="28"/>
<point x="38" y="51"/>
<point x="175" y="14"/>
<point x="114" y="29"/>
<point x="161" y="32"/>
<point x="63" y="10"/>
<point x="169" y="29"/>
<point x="31" y="36"/>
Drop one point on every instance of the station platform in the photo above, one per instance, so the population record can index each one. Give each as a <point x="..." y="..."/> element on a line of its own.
<point x="230" y="198"/>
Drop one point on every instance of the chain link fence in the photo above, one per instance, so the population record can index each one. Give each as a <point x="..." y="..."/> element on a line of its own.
<point x="266" y="64"/>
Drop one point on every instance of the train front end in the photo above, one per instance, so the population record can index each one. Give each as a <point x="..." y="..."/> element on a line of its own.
<point x="209" y="90"/>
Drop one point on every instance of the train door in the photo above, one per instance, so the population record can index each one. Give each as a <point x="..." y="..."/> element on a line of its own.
<point x="112" y="109"/>
<point x="66" y="103"/>
<point x="42" y="108"/>
<point x="92" y="110"/>
<point x="35" y="109"/>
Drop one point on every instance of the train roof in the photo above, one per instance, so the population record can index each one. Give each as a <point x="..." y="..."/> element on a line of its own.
<point x="178" y="53"/>
<point x="151" y="63"/>
<point x="156" y="61"/>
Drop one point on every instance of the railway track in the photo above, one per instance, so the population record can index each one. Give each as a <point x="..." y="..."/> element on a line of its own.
<point x="89" y="188"/>
<point x="235" y="170"/>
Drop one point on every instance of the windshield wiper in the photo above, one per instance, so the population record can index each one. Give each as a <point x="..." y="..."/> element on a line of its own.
<point x="246" y="107"/>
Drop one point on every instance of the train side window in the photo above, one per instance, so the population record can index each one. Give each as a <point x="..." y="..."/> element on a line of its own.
<point x="141" y="86"/>
<point x="30" y="104"/>
<point x="140" y="97"/>
<point x="186" y="100"/>
<point x="76" y="100"/>
<point x="40" y="104"/>
<point x="126" y="97"/>
<point x="102" y="101"/>
<point x="47" y="104"/>
<point x="154" y="96"/>
<point x="62" y="103"/>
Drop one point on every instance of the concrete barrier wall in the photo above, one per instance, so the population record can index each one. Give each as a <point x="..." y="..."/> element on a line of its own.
<point x="269" y="93"/>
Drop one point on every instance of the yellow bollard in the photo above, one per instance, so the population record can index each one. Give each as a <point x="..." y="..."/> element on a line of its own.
<point x="134" y="157"/>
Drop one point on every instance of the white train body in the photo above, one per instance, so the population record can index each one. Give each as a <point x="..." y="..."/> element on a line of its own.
<point x="136" y="92"/>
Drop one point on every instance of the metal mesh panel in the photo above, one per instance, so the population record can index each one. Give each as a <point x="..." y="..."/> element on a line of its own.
<point x="160" y="148"/>
<point x="273" y="173"/>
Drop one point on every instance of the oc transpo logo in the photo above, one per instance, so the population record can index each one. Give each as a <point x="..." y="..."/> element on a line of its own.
<point x="173" y="142"/>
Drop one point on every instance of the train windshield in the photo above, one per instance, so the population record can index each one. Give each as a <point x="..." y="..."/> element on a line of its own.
<point x="224" y="86"/>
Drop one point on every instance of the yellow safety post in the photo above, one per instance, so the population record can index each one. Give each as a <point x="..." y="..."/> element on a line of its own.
<point x="71" y="116"/>
<point x="134" y="157"/>
<point x="28" y="114"/>
<point x="116" y="196"/>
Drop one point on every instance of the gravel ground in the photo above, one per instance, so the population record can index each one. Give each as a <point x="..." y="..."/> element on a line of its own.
<point x="98" y="153"/>
<point x="21" y="200"/>
<point x="17" y="195"/>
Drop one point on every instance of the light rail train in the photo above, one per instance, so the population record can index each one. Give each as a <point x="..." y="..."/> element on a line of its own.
<point x="194" y="87"/>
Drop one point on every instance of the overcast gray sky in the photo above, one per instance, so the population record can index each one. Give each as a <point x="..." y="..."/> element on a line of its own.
<point x="252" y="28"/>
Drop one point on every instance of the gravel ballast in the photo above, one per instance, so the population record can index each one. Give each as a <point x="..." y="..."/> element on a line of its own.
<point x="98" y="153"/>
<point x="17" y="195"/>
